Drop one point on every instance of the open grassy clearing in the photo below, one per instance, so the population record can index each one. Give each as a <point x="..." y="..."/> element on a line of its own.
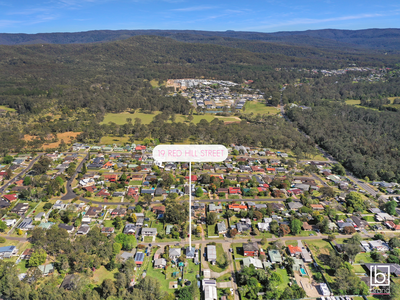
<point x="260" y="108"/>
<point x="6" y="108"/>
<point x="67" y="137"/>
<point x="101" y="274"/>
<point x="353" y="102"/>
<point x="121" y="118"/>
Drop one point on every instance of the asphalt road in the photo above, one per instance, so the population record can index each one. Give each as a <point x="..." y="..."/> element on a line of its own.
<point x="70" y="193"/>
<point x="4" y="187"/>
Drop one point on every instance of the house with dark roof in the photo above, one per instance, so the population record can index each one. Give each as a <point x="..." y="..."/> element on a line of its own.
<point x="68" y="228"/>
<point x="250" y="249"/>
<point x="83" y="230"/>
<point x="20" y="209"/>
<point x="93" y="212"/>
<point x="130" y="228"/>
<point x="121" y="212"/>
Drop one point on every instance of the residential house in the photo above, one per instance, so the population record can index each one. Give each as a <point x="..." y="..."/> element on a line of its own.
<point x="8" y="251"/>
<point x="20" y="209"/>
<point x="234" y="191"/>
<point x="215" y="208"/>
<point x="139" y="258"/>
<point x="342" y="225"/>
<point x="295" y="206"/>
<point x="210" y="289"/>
<point x="212" y="253"/>
<point x="294" y="250"/>
<point x="107" y="230"/>
<point x="149" y="231"/>
<point x="174" y="253"/>
<point x="237" y="207"/>
<point x="379" y="246"/>
<point x="250" y="249"/>
<point x="59" y="205"/>
<point x="275" y="256"/>
<point x="10" y="197"/>
<point x="158" y="210"/>
<point x="120" y="212"/>
<point x="384" y="217"/>
<point x="359" y="223"/>
<point x="130" y="228"/>
<point x="83" y="230"/>
<point x="40" y="216"/>
<point x="147" y="191"/>
<point x="27" y="254"/>
<point x="103" y="193"/>
<point x="46" y="269"/>
<point x="126" y="255"/>
<point x="68" y="228"/>
<point x="160" y="263"/>
<point x="221" y="227"/>
<point x="306" y="226"/>
<point x="190" y="252"/>
<point x="248" y="261"/>
<point x="26" y="224"/>
<point x="93" y="212"/>
<point x="317" y="206"/>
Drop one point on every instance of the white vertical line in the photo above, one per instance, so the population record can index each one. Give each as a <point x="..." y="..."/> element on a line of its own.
<point x="190" y="205"/>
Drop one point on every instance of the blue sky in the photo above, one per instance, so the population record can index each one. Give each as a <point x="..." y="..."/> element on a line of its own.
<point x="34" y="16"/>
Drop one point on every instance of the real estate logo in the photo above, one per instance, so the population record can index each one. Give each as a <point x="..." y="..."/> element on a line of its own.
<point x="379" y="279"/>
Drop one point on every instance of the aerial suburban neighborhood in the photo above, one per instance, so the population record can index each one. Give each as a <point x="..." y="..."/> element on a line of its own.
<point x="261" y="212"/>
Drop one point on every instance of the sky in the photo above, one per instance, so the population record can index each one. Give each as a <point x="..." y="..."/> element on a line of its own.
<point x="39" y="16"/>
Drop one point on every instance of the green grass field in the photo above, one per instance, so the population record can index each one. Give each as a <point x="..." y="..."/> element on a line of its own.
<point x="6" y="108"/>
<point x="102" y="273"/>
<point x="260" y="108"/>
<point x="109" y="140"/>
<point x="363" y="258"/>
<point x="121" y="118"/>
<point x="353" y="102"/>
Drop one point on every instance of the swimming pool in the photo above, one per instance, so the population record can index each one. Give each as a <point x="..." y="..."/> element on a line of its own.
<point x="303" y="272"/>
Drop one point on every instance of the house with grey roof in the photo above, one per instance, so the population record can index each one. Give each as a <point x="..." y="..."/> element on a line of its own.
<point x="221" y="227"/>
<point x="174" y="253"/>
<point x="275" y="256"/>
<point x="295" y="205"/>
<point x="149" y="231"/>
<point x="212" y="253"/>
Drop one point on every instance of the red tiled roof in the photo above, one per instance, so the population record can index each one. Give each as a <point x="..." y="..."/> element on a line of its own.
<point x="11" y="197"/>
<point x="294" y="250"/>
<point x="194" y="177"/>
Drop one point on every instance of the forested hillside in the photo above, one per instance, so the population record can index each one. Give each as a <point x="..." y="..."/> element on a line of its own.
<point x="365" y="141"/>
<point x="381" y="39"/>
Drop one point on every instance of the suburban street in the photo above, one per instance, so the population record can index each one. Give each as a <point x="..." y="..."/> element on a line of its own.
<point x="19" y="175"/>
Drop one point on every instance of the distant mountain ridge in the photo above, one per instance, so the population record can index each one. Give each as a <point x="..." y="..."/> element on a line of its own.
<point x="372" y="39"/>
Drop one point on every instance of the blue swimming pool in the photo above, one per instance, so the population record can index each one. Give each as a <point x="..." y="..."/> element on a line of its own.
<point x="303" y="272"/>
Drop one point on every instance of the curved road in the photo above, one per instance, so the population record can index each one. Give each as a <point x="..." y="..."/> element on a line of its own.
<point x="3" y="188"/>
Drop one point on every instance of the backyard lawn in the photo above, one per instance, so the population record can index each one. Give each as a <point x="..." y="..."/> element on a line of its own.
<point x="238" y="250"/>
<point x="102" y="273"/>
<point x="363" y="258"/>
<point x="222" y="263"/>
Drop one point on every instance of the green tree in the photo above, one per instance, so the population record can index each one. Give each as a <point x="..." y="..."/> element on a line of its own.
<point x="295" y="226"/>
<point x="339" y="169"/>
<point x="199" y="192"/>
<point x="108" y="288"/>
<point x="27" y="180"/>
<point x="212" y="218"/>
<point x="394" y="242"/>
<point x="3" y="226"/>
<point x="84" y="169"/>
<point x="390" y="207"/>
<point x="8" y="159"/>
<point x="37" y="258"/>
<point x="118" y="223"/>
<point x="117" y="248"/>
